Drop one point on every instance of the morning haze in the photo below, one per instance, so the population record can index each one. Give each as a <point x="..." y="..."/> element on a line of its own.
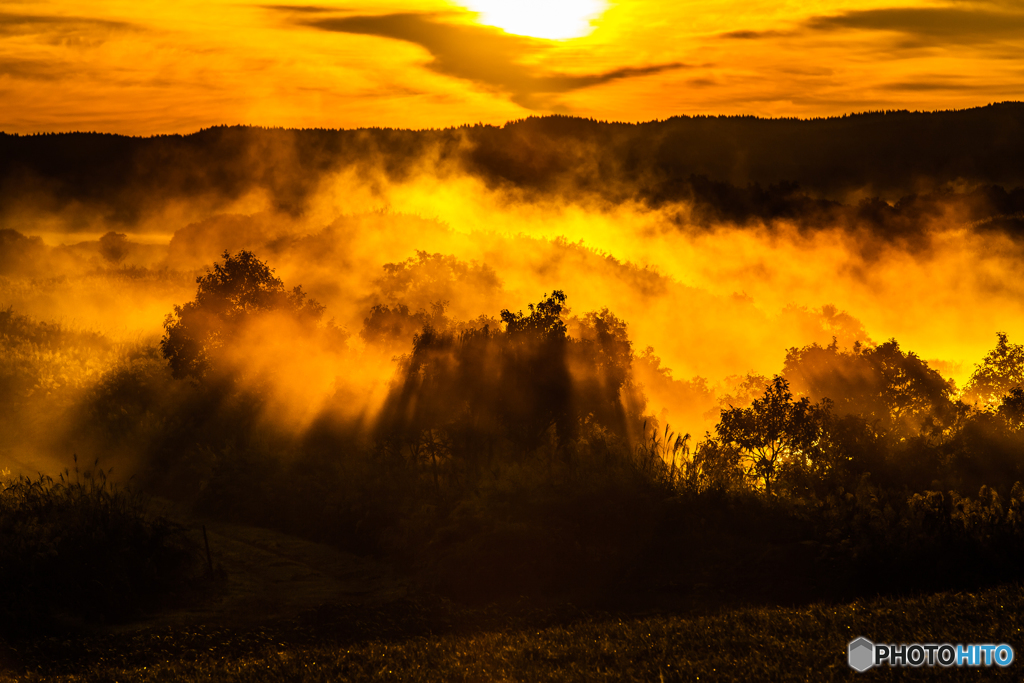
<point x="572" y="341"/>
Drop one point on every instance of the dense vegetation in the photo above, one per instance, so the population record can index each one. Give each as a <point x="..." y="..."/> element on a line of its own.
<point x="515" y="454"/>
<point x="80" y="549"/>
<point x="511" y="456"/>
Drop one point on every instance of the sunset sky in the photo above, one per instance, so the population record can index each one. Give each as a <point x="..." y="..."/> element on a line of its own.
<point x="144" y="68"/>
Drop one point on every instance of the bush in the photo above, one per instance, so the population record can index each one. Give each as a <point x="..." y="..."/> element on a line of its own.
<point x="83" y="549"/>
<point x="895" y="540"/>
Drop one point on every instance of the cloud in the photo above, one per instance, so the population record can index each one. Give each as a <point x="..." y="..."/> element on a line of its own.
<point x="64" y="31"/>
<point x="932" y="85"/>
<point x="30" y="69"/>
<point x="304" y="9"/>
<point x="755" y="35"/>
<point x="34" y="24"/>
<point x="480" y="54"/>
<point x="61" y="30"/>
<point x="927" y="25"/>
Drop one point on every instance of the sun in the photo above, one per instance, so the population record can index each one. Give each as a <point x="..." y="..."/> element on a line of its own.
<point x="551" y="19"/>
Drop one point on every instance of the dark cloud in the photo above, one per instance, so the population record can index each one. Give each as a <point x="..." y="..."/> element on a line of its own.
<point x="33" y="24"/>
<point x="480" y="54"/>
<point x="926" y="25"/>
<point x="754" y="35"/>
<point x="930" y="85"/>
<point x="29" y="69"/>
<point x="61" y="30"/>
<point x="304" y="9"/>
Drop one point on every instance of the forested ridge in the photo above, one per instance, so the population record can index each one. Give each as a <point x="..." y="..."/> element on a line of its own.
<point x="739" y="167"/>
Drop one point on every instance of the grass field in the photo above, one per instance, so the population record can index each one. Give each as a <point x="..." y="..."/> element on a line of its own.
<point x="416" y="641"/>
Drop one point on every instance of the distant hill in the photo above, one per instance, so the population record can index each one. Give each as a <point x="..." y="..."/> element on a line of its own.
<point x="716" y="160"/>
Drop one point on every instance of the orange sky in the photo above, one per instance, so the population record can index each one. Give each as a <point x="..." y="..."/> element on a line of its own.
<point x="143" y="68"/>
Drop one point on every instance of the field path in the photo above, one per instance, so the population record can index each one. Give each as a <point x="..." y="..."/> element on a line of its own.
<point x="268" y="574"/>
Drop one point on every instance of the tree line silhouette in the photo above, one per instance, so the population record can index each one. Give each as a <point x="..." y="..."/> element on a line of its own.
<point x="737" y="169"/>
<point x="517" y="453"/>
<point x="502" y="441"/>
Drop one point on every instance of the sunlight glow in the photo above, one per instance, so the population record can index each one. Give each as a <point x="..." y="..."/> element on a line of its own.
<point x="556" y="20"/>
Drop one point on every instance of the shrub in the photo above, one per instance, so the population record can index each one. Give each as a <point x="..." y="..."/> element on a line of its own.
<point x="80" y="547"/>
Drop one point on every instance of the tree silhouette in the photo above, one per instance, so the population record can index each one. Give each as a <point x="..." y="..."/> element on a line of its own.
<point x="114" y="246"/>
<point x="896" y="392"/>
<point x="915" y="397"/>
<point x="602" y="362"/>
<point x="1012" y="409"/>
<point x="536" y="383"/>
<point x="775" y="433"/>
<point x="529" y="385"/>
<point x="227" y="297"/>
<point x="393" y="327"/>
<point x="998" y="374"/>
<point x="713" y="466"/>
<point x="543" y="322"/>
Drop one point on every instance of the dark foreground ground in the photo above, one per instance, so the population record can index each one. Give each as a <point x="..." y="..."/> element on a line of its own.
<point x="410" y="640"/>
<point x="283" y="609"/>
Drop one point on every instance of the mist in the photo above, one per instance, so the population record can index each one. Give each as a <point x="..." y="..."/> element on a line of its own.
<point x="525" y="400"/>
<point x="714" y="281"/>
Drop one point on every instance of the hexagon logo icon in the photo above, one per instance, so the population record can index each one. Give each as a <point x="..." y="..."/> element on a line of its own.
<point x="861" y="653"/>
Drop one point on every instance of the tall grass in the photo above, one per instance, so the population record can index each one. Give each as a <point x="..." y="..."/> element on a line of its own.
<point x="79" y="548"/>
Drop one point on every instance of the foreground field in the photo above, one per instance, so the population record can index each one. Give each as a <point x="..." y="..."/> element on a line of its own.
<point x="279" y="607"/>
<point x="419" y="641"/>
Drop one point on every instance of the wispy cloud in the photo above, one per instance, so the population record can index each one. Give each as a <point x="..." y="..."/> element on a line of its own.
<point x="754" y="35"/>
<point x="12" y="24"/>
<point x="964" y="24"/>
<point x="480" y="54"/>
<point x="931" y="85"/>
<point x="30" y="69"/>
<point x="301" y="9"/>
<point x="926" y="25"/>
